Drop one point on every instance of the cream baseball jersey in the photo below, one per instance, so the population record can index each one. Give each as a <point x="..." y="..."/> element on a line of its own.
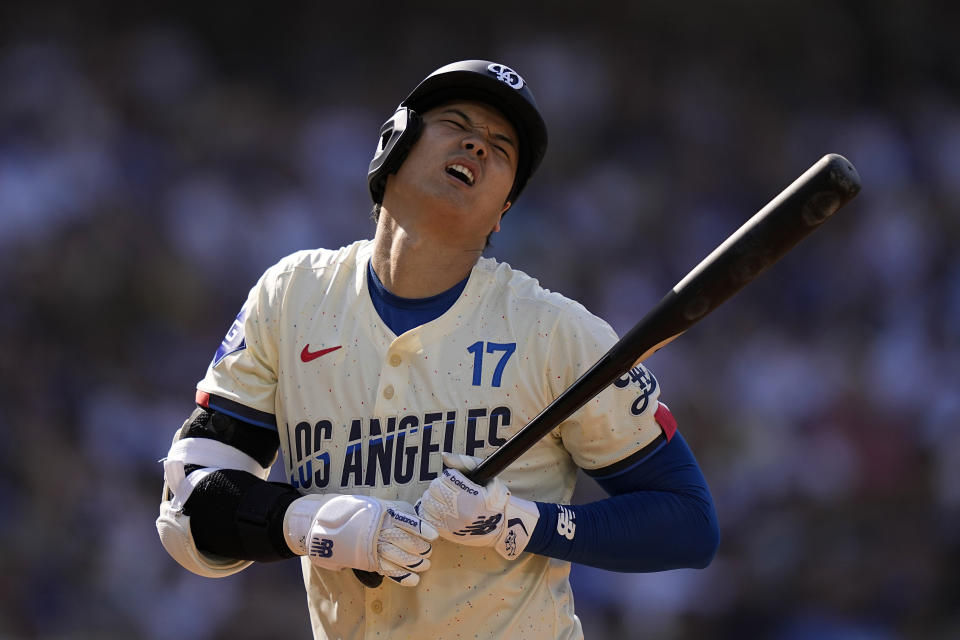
<point x="359" y="410"/>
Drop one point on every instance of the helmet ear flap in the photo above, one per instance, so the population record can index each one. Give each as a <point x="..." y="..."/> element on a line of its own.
<point x="397" y="136"/>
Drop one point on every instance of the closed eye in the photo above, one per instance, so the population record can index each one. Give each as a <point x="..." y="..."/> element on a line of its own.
<point x="462" y="122"/>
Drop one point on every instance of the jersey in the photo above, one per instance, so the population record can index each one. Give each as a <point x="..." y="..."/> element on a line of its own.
<point x="360" y="410"/>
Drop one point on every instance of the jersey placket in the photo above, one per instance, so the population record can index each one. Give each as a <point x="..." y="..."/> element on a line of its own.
<point x="377" y="613"/>
<point x="394" y="375"/>
<point x="391" y="400"/>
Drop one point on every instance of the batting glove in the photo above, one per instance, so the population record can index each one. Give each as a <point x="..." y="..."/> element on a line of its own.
<point x="474" y="515"/>
<point x="360" y="532"/>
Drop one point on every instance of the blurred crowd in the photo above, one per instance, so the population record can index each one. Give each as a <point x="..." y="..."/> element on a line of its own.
<point x="153" y="162"/>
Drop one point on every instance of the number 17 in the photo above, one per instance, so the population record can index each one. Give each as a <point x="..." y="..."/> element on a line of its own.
<point x="477" y="350"/>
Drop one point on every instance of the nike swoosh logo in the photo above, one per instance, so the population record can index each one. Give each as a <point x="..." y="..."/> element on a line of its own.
<point x="306" y="355"/>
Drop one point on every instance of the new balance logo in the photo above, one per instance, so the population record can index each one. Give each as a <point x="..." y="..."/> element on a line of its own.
<point x="566" y="527"/>
<point x="481" y="526"/>
<point x="402" y="517"/>
<point x="322" y="547"/>
<point x="455" y="480"/>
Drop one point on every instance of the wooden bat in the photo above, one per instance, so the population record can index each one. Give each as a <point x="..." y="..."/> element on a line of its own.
<point x="765" y="238"/>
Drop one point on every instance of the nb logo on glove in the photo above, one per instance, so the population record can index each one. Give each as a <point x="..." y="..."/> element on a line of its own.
<point x="481" y="526"/>
<point x="321" y="547"/>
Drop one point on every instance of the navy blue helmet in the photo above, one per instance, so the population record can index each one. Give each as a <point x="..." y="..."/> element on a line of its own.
<point x="481" y="80"/>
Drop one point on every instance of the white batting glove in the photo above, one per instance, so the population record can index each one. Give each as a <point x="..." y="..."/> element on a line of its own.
<point x="360" y="532"/>
<point x="474" y="515"/>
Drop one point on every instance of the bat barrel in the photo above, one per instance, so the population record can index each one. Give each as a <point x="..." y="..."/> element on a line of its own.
<point x="766" y="237"/>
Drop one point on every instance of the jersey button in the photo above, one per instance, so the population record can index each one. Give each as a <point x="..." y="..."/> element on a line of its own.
<point x="388" y="392"/>
<point x="395" y="361"/>
<point x="377" y="606"/>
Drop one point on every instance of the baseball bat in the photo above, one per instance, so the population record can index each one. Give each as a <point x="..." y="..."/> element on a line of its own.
<point x="765" y="238"/>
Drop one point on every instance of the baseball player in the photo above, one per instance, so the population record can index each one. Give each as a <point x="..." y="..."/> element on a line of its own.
<point x="383" y="370"/>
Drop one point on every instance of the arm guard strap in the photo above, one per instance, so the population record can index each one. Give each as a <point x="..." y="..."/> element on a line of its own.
<point x="237" y="515"/>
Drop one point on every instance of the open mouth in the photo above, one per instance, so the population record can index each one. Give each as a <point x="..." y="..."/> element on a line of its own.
<point x="461" y="173"/>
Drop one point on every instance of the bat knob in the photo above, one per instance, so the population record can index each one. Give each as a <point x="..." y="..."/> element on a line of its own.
<point x="369" y="579"/>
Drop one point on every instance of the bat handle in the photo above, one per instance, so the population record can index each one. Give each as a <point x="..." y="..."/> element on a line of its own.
<point x="370" y="579"/>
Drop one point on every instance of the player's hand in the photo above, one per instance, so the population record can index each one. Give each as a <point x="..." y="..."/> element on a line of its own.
<point x="475" y="515"/>
<point x="360" y="532"/>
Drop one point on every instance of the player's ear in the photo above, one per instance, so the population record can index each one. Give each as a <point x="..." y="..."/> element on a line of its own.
<point x="506" y="206"/>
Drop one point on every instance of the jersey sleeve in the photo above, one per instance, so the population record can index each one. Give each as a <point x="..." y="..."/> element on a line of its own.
<point x="620" y="425"/>
<point x="241" y="380"/>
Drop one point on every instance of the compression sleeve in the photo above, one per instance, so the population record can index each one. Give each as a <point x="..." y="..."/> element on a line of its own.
<point x="660" y="516"/>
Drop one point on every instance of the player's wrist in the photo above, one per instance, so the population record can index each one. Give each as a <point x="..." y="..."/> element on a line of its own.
<point x="340" y="531"/>
<point x="478" y="515"/>
<point x="520" y="521"/>
<point x="299" y="518"/>
<point x="543" y="532"/>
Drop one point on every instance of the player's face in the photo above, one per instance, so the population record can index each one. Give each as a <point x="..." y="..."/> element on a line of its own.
<point x="462" y="166"/>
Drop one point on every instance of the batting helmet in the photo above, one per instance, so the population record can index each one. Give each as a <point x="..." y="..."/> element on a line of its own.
<point x="481" y="80"/>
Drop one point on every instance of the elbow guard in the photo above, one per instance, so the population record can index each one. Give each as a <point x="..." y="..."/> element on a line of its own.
<point x="176" y="537"/>
<point x="173" y="524"/>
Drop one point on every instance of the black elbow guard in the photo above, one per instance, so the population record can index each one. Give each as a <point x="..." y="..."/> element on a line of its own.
<point x="258" y="443"/>
<point x="237" y="515"/>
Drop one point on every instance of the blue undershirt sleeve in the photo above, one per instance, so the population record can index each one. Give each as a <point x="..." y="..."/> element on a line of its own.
<point x="659" y="516"/>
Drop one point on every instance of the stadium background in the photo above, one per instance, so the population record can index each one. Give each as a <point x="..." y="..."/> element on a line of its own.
<point x="154" y="160"/>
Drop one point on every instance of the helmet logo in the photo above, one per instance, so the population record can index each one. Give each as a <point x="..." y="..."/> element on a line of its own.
<point x="506" y="75"/>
